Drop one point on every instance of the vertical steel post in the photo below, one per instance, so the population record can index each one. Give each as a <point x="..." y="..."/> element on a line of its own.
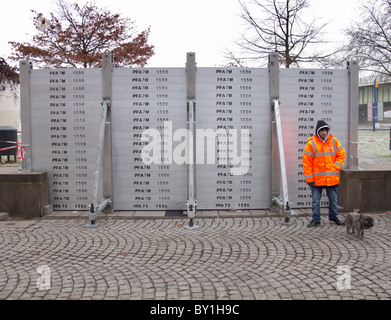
<point x="278" y="180"/>
<point x="191" y="122"/>
<point x="107" y="170"/>
<point x="103" y="170"/>
<point x="275" y="170"/>
<point x="353" y="69"/>
<point x="25" y="68"/>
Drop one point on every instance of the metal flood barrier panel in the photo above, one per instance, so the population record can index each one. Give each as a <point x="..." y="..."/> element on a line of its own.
<point x="65" y="115"/>
<point x="149" y="145"/>
<point x="145" y="100"/>
<point x="229" y="103"/>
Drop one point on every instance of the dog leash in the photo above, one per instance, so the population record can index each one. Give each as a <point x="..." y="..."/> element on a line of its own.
<point x="382" y="214"/>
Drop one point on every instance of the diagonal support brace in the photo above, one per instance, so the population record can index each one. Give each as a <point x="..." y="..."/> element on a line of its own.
<point x="96" y="209"/>
<point x="192" y="202"/>
<point x="282" y="199"/>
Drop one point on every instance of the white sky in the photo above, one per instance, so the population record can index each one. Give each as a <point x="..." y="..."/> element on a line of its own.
<point x="206" y="27"/>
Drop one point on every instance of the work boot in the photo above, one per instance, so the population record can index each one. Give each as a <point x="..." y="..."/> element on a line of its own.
<point x="337" y="221"/>
<point x="313" y="224"/>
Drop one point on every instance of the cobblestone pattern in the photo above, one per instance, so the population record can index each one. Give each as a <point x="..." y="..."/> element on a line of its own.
<point x="240" y="258"/>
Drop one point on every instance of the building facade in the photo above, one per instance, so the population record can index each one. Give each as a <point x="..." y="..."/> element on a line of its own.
<point x="366" y="94"/>
<point x="9" y="105"/>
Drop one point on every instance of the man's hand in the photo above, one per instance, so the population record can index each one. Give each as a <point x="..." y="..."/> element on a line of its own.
<point x="311" y="184"/>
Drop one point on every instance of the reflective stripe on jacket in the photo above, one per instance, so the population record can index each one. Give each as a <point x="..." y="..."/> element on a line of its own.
<point x="323" y="161"/>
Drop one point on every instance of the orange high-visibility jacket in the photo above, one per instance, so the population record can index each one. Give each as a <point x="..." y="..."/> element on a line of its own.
<point x="323" y="161"/>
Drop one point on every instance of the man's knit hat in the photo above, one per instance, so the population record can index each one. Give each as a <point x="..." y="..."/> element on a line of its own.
<point x="322" y="125"/>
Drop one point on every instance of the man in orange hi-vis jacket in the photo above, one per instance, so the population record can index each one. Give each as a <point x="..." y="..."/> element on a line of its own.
<point x="323" y="159"/>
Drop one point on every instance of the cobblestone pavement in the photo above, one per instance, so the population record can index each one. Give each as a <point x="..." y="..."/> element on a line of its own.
<point x="226" y="259"/>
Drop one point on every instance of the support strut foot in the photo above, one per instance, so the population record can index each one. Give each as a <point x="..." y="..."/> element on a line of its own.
<point x="287" y="222"/>
<point x="192" y="226"/>
<point x="92" y="225"/>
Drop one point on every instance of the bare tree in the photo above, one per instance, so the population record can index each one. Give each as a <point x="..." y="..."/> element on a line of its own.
<point x="369" y="40"/>
<point x="277" y="26"/>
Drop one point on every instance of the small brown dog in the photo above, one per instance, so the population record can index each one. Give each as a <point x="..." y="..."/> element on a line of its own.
<point x="357" y="223"/>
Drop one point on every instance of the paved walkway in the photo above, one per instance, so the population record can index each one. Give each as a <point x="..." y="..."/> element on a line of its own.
<point x="237" y="258"/>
